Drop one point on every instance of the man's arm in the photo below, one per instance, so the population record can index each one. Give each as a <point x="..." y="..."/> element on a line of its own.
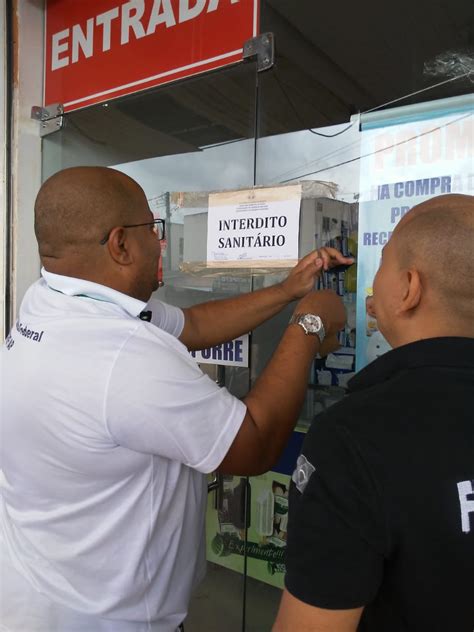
<point x="211" y="323"/>
<point x="274" y="402"/>
<point x="297" y="615"/>
<point x="337" y="541"/>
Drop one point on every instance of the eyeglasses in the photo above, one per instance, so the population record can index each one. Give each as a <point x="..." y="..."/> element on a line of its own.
<point x="157" y="224"/>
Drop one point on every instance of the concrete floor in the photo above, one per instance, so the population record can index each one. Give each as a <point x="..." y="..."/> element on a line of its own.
<point x="218" y="603"/>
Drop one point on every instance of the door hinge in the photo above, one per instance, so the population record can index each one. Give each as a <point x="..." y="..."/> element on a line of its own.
<point x="51" y="117"/>
<point x="261" y="48"/>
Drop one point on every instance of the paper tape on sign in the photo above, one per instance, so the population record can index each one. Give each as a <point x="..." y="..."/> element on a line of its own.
<point x="98" y="50"/>
<point x="232" y="353"/>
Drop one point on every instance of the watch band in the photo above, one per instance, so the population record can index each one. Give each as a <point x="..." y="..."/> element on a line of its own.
<point x="311" y="324"/>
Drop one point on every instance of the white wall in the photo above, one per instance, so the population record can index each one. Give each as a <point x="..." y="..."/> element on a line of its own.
<point x="26" y="144"/>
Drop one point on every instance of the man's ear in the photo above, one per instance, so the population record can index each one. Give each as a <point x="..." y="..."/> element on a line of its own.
<point x="370" y="306"/>
<point x="118" y="246"/>
<point x="412" y="291"/>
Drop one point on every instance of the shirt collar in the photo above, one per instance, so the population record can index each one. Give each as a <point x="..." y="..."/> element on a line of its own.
<point x="72" y="286"/>
<point x="435" y="352"/>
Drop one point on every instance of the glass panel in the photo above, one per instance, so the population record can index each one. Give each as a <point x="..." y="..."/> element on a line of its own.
<point x="185" y="140"/>
<point x="329" y="68"/>
<point x="179" y="143"/>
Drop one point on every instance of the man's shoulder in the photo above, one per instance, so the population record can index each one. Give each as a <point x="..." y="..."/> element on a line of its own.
<point x="152" y="349"/>
<point x="363" y="416"/>
<point x="409" y="390"/>
<point x="406" y="412"/>
<point x="360" y="409"/>
<point x="147" y="334"/>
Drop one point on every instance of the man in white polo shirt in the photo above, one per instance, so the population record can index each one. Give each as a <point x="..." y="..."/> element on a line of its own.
<point x="109" y="426"/>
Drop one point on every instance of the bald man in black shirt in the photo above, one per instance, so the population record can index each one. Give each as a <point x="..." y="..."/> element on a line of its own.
<point x="381" y="518"/>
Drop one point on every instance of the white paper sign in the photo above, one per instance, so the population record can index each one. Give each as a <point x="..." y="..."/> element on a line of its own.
<point x="232" y="353"/>
<point x="254" y="227"/>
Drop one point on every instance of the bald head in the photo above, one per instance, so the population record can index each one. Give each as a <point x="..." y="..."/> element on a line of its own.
<point x="449" y="203"/>
<point x="78" y="206"/>
<point x="94" y="223"/>
<point x="437" y="238"/>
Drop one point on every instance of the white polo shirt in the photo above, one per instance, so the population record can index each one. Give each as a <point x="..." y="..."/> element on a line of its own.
<point x="108" y="427"/>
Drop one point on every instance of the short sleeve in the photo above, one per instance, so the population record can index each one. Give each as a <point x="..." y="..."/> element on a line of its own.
<point x="159" y="402"/>
<point x="167" y="317"/>
<point x="336" y="529"/>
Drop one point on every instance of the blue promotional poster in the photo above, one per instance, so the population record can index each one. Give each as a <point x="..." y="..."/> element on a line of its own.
<point x="407" y="157"/>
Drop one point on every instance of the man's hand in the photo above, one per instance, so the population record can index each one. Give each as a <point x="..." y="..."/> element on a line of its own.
<point x="211" y="323"/>
<point x="302" y="278"/>
<point x="330" y="343"/>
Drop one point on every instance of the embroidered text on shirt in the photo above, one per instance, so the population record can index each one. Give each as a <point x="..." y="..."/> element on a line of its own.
<point x="466" y="500"/>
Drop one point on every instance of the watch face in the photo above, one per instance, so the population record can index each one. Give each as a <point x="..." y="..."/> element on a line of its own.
<point x="312" y="323"/>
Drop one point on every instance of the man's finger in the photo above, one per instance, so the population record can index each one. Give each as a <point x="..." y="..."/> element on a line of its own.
<point x="310" y="259"/>
<point x="332" y="257"/>
<point x="330" y="344"/>
<point x="311" y="269"/>
<point x="308" y="264"/>
<point x="333" y="253"/>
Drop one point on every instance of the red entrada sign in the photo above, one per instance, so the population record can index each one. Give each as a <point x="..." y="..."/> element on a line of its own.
<point x="97" y="50"/>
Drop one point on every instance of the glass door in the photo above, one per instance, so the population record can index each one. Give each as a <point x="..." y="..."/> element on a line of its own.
<point x="179" y="143"/>
<point x="236" y="128"/>
<point x="320" y="125"/>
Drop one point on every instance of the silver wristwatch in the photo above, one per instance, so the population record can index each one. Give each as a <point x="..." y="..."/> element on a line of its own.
<point x="310" y="323"/>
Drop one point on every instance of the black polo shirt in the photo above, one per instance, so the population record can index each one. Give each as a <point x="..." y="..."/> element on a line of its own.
<point x="382" y="503"/>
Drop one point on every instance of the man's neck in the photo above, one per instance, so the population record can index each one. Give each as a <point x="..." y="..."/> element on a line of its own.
<point x="94" y="274"/>
<point x="427" y="330"/>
